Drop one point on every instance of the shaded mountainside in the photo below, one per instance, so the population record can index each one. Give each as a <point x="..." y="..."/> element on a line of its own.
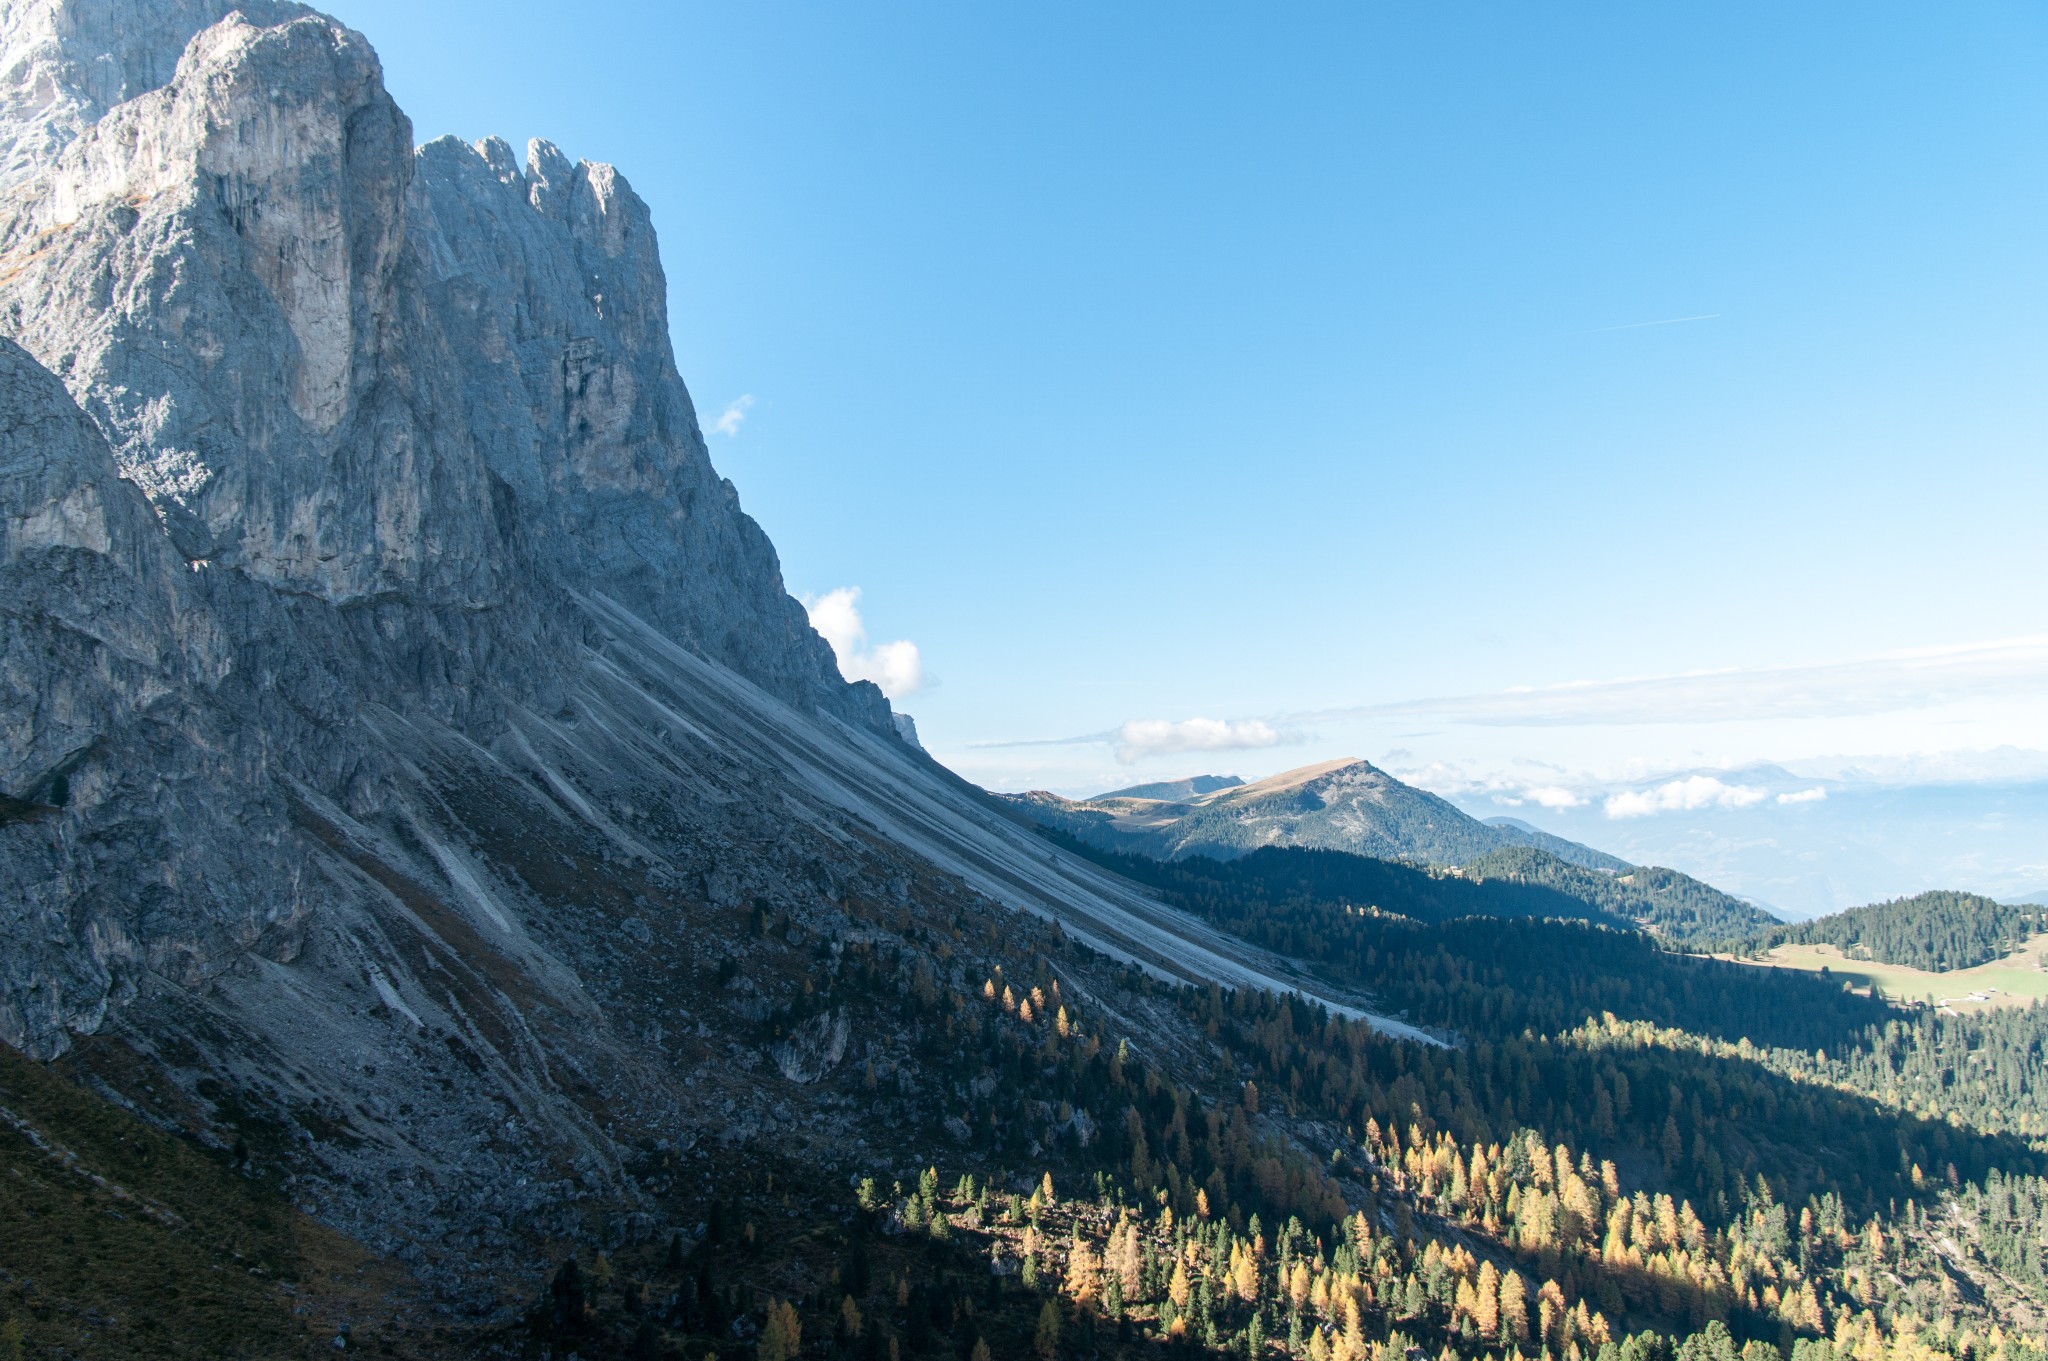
<point x="124" y="1240"/>
<point x="1938" y="931"/>
<point x="1338" y="806"/>
<point x="1661" y="901"/>
<point x="1571" y="852"/>
<point x="1517" y="882"/>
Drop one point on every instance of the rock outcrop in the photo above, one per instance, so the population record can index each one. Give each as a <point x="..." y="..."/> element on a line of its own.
<point x="431" y="393"/>
<point x="401" y="725"/>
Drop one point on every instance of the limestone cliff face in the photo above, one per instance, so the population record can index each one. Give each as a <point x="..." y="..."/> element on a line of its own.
<point x="549" y="292"/>
<point x="359" y="373"/>
<point x="430" y="392"/>
<point x="329" y="470"/>
<point x="400" y="722"/>
<point x="108" y="665"/>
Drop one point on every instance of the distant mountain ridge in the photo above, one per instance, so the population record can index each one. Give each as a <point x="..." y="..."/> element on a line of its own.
<point x="1175" y="791"/>
<point x="1344" y="805"/>
<point x="1571" y="852"/>
<point x="1365" y="816"/>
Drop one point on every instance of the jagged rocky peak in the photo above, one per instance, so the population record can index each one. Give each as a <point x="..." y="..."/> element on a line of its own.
<point x="63" y="65"/>
<point x="356" y="430"/>
<point x="346" y="368"/>
<point x="402" y="728"/>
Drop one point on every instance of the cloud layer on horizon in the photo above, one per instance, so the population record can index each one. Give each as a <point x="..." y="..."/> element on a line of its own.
<point x="1856" y="689"/>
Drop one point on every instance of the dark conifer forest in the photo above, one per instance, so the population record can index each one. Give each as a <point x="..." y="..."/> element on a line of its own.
<point x="1939" y="931"/>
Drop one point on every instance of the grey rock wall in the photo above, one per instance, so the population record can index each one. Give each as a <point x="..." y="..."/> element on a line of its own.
<point x="317" y="789"/>
<point x="351" y="370"/>
<point x="389" y="409"/>
<point x="400" y="721"/>
<point x="143" y="839"/>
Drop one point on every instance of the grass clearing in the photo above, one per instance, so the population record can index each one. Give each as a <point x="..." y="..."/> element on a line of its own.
<point x="2015" y="981"/>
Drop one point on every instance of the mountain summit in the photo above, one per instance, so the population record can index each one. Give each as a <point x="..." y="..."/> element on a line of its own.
<point x="1344" y="805"/>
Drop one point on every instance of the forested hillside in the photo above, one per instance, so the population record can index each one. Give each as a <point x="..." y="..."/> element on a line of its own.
<point x="1662" y="901"/>
<point x="1607" y="1192"/>
<point x="1615" y="1160"/>
<point x="1938" y="931"/>
<point x="1517" y="881"/>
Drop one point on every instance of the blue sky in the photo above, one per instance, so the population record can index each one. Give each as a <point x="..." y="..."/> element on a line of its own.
<point x="1155" y="363"/>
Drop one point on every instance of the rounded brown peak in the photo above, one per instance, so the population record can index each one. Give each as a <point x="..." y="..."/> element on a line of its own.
<point x="1294" y="779"/>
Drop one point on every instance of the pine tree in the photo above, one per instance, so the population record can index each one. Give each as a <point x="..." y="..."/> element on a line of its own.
<point x="1084" y="1273"/>
<point x="782" y="1334"/>
<point x="1514" y="1307"/>
<point x="1047" y="1337"/>
<point x="1125" y="1261"/>
<point x="1351" y="1345"/>
<point x="1486" y="1307"/>
<point x="567" y="1296"/>
<point x="1178" y="1290"/>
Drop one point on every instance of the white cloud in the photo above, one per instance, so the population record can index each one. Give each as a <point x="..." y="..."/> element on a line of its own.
<point x="1688" y="795"/>
<point x="1553" y="796"/>
<point x="896" y="667"/>
<point x="734" y="416"/>
<point x="1813" y="795"/>
<point x="1158" y="737"/>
